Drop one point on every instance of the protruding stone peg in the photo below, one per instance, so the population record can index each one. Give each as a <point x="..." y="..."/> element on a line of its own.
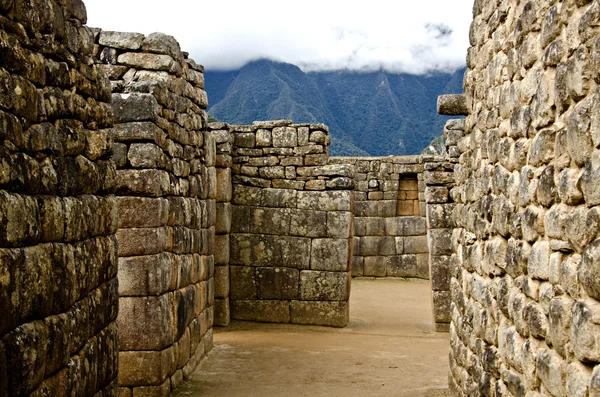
<point x="452" y="105"/>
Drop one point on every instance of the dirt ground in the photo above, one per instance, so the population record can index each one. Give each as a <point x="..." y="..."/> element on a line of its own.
<point x="388" y="349"/>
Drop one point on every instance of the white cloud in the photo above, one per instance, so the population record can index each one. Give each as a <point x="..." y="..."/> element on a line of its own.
<point x="397" y="35"/>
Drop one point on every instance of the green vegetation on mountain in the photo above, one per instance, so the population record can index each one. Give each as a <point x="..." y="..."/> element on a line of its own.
<point x="375" y="113"/>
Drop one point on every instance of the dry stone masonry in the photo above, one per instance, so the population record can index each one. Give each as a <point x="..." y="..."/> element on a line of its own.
<point x="526" y="272"/>
<point x="58" y="217"/>
<point x="166" y="188"/>
<point x="290" y="246"/>
<point x="109" y="171"/>
<point x="390" y="235"/>
<point x="439" y="180"/>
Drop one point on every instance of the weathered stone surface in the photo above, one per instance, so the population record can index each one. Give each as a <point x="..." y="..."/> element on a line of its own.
<point x="590" y="268"/>
<point x="334" y="314"/>
<point x="161" y="43"/>
<point x="142" y="241"/>
<point x="264" y="250"/>
<point x="585" y="330"/>
<point x="145" y="275"/>
<point x="452" y="105"/>
<point x="146" y="323"/>
<point x="307" y="223"/>
<point x="261" y="310"/>
<point x="121" y="40"/>
<point x="330" y="255"/>
<point x="402" y="266"/>
<point x="137" y="368"/>
<point x="375" y="266"/>
<point x="324" y="286"/>
<point x="277" y="283"/>
<point x="134" y="107"/>
<point x="147" y="61"/>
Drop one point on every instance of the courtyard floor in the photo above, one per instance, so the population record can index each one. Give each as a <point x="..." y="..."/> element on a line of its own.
<point x="389" y="348"/>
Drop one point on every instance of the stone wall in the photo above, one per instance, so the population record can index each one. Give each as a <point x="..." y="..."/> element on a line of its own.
<point x="292" y="226"/>
<point x="58" y="264"/>
<point x="224" y="144"/>
<point x="166" y="187"/>
<point x="439" y="181"/>
<point x="390" y="235"/>
<point x="526" y="273"/>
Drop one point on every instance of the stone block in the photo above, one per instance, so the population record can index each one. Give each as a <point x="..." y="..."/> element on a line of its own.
<point x="243" y="283"/>
<point x="307" y="223"/>
<point x="146" y="323"/>
<point x="221" y="281"/>
<point x="145" y="275"/>
<point x="277" y="283"/>
<point x="334" y="314"/>
<point x="375" y="245"/>
<point x="365" y="209"/>
<point x="452" y="105"/>
<point x="20" y="214"/>
<point x="405" y="208"/>
<point x="326" y="201"/>
<point x="285" y="137"/>
<point x="423" y="266"/>
<point x="223" y="221"/>
<point x="275" y="221"/>
<point x="142" y="241"/>
<point x="551" y="369"/>
<point x="24" y="353"/>
<point x="594" y="386"/>
<point x="246" y="195"/>
<point x="439" y="216"/>
<point x="375" y="266"/>
<point x="221" y="249"/>
<point x="436" y="194"/>
<point x="222" y="312"/>
<point x="263" y="138"/>
<point x="142" y="368"/>
<point x="538" y="266"/>
<point x="415" y="244"/>
<point x="441" y="306"/>
<point x="589" y="272"/>
<point x="142" y="212"/>
<point x="134" y="107"/>
<point x="589" y="180"/>
<point x="224" y="185"/>
<point x="160" y="43"/>
<point x="585" y="330"/>
<point x="152" y="183"/>
<point x="374" y="226"/>
<point x="357" y="266"/>
<point x="278" y="198"/>
<point x="402" y="266"/>
<point x="268" y="311"/>
<point x="340" y="224"/>
<point x="414" y="225"/>
<point x="140" y="131"/>
<point x="330" y="254"/>
<point x="324" y="286"/>
<point x="438" y="178"/>
<point x="121" y="40"/>
<point x="440" y="273"/>
<point x="577" y="379"/>
<point x="440" y="242"/>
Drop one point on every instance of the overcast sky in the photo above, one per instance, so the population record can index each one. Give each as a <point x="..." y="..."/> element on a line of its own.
<point x="398" y="35"/>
